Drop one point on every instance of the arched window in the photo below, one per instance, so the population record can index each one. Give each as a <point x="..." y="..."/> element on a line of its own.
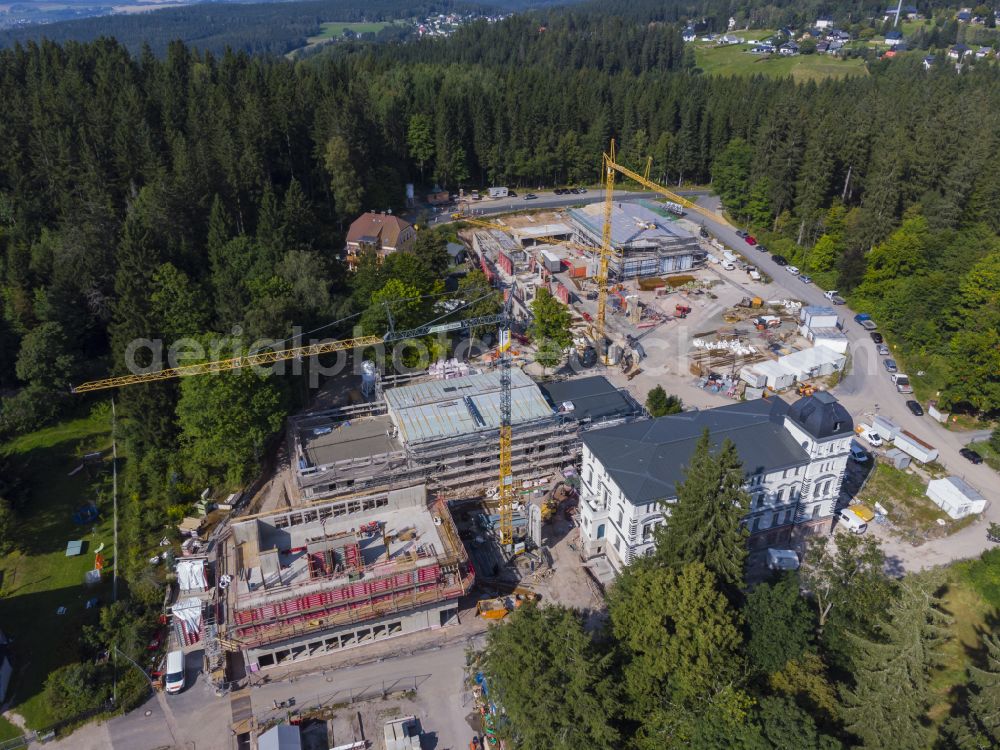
<point x="600" y="531"/>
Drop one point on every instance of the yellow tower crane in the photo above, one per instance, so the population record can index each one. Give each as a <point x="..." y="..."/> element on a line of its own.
<point x="610" y="168"/>
<point x="501" y="320"/>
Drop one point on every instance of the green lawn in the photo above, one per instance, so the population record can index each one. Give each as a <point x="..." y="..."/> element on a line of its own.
<point x="971" y="616"/>
<point x="38" y="578"/>
<point x="736" y="60"/>
<point x="912" y="513"/>
<point x="990" y="456"/>
<point x="336" y="29"/>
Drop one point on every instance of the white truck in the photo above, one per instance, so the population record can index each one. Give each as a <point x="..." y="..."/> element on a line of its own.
<point x="499" y="192"/>
<point x="902" y="383"/>
<point x="868" y="433"/>
<point x="834" y="297"/>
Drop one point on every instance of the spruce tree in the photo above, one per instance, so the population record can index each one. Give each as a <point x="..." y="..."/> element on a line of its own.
<point x="887" y="705"/>
<point x="704" y="524"/>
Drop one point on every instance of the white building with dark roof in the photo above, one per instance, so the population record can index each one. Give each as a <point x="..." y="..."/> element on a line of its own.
<point x="794" y="458"/>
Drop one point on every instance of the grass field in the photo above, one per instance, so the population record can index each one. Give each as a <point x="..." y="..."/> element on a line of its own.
<point x="38" y="578"/>
<point x="990" y="456"/>
<point x="971" y="617"/>
<point x="736" y="60"/>
<point x="912" y="513"/>
<point x="336" y="29"/>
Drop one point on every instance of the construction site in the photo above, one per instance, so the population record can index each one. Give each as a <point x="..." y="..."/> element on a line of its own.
<point x="393" y="505"/>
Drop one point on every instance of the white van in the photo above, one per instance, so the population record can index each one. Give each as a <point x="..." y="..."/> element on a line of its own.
<point x="869" y="434"/>
<point x="782" y="559"/>
<point x="175" y="672"/>
<point x="852" y="521"/>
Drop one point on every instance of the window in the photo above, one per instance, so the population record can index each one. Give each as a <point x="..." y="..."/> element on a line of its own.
<point x="756" y="524"/>
<point x="816" y="511"/>
<point x="788" y="516"/>
<point x="781" y="497"/>
<point x="647" y="531"/>
<point x="621" y="514"/>
<point x="826" y="487"/>
<point x="784" y="474"/>
<point x="600" y="531"/>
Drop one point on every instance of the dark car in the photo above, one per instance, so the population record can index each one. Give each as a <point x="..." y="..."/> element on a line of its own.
<point x="559" y="191"/>
<point x="781" y="260"/>
<point x="915" y="407"/>
<point x="762" y="248"/>
<point x="970" y="455"/>
<point x="511" y="194"/>
<point x="876" y="337"/>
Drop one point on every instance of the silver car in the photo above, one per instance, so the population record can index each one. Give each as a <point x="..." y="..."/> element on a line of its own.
<point x="890" y="365"/>
<point x="883" y="350"/>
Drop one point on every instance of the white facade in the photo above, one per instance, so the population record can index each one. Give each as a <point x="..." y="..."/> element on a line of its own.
<point x="782" y="501"/>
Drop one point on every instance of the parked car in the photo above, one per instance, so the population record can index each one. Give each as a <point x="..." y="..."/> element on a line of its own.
<point x="852" y="521"/>
<point x="890" y="365"/>
<point x="579" y="191"/>
<point x="511" y="194"/>
<point x="970" y="455"/>
<point x="530" y="197"/>
<point x="805" y="279"/>
<point x="781" y="260"/>
<point x="876" y="337"/>
<point x="174" y="682"/>
<point x="741" y="233"/>
<point x="859" y="454"/>
<point x="762" y="248"/>
<point x="883" y="350"/>
<point x="793" y="270"/>
<point x="915" y="408"/>
<point x="559" y="191"/>
<point x="750" y="240"/>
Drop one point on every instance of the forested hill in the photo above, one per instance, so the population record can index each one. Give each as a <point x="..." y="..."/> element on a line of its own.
<point x="271" y="28"/>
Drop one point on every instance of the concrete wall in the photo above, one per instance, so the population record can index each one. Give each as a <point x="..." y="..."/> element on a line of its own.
<point x="321" y="642"/>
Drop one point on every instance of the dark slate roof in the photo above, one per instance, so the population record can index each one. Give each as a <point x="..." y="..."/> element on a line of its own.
<point x="822" y="416"/>
<point x="593" y="398"/>
<point x="648" y="459"/>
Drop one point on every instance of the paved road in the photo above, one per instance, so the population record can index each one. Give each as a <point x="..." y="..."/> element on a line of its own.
<point x="546" y="199"/>
<point x="867" y="390"/>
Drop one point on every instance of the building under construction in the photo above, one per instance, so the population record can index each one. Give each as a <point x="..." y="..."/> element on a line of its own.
<point x="444" y="432"/>
<point x="309" y="581"/>
<point x="646" y="241"/>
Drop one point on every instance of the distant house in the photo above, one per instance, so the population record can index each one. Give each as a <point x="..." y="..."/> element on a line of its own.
<point x="964" y="15"/>
<point x="928" y="62"/>
<point x="727" y="39"/>
<point x="893" y="38"/>
<point x="983" y="52"/>
<point x="838" y="35"/>
<point x="786" y="32"/>
<point x="824" y="22"/>
<point x="764" y="48"/>
<point x="958" y="52"/>
<point x="822" y="47"/>
<point x="383" y="233"/>
<point x="788" y="49"/>
<point x="834" y="47"/>
<point x="689" y="34"/>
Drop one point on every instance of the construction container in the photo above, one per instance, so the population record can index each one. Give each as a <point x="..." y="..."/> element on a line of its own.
<point x="551" y="261"/>
<point x="922" y="452"/>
